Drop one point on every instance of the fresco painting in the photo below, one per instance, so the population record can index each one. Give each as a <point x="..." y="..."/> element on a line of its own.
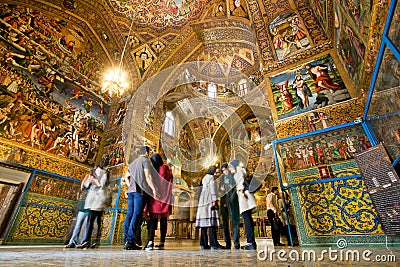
<point x="330" y="148"/>
<point x="350" y="47"/>
<point x="160" y="14"/>
<point x="288" y="35"/>
<point x="360" y="14"/>
<point x="307" y="87"/>
<point x="47" y="77"/>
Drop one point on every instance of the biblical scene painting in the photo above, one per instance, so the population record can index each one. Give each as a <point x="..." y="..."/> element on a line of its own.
<point x="160" y="14"/>
<point x="349" y="46"/>
<point x="329" y="148"/>
<point x="288" y="35"/>
<point x="360" y="14"/>
<point x="307" y="87"/>
<point x="394" y="30"/>
<point x="47" y="76"/>
<point x="320" y="7"/>
<point x="389" y="75"/>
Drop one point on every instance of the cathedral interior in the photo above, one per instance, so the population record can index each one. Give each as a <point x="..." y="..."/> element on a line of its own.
<point x="304" y="93"/>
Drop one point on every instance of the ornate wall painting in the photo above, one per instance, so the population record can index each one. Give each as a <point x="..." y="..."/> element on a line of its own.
<point x="323" y="149"/>
<point x="288" y="35"/>
<point x="394" y="30"/>
<point x="143" y="56"/>
<point x="309" y="86"/>
<point x="349" y="46"/>
<point x="160" y="15"/>
<point x="387" y="129"/>
<point x="323" y="118"/>
<point x="47" y="80"/>
<point x="389" y="74"/>
<point x="238" y="8"/>
<point x="220" y="9"/>
<point x="320" y="6"/>
<point x="359" y="12"/>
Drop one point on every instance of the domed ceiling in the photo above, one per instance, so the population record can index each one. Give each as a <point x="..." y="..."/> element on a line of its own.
<point x="160" y="15"/>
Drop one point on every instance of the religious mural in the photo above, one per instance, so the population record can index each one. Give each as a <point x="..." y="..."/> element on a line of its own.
<point x="387" y="130"/>
<point x="144" y="56"/>
<point x="310" y="86"/>
<point x="238" y="8"/>
<point x="323" y="149"/>
<point x="321" y="8"/>
<point x="394" y="30"/>
<point x="349" y="46"/>
<point x="46" y="84"/>
<point x="160" y="15"/>
<point x="288" y="35"/>
<point x="388" y="75"/>
<point x="360" y="14"/>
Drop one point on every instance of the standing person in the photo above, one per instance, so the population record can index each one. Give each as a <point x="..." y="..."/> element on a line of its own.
<point x="207" y="217"/>
<point x="95" y="202"/>
<point x="139" y="181"/>
<point x="159" y="208"/>
<point x="229" y="207"/>
<point x="83" y="213"/>
<point x="272" y="214"/>
<point x="247" y="204"/>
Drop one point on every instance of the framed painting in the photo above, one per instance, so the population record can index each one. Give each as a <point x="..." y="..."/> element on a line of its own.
<point x="307" y="87"/>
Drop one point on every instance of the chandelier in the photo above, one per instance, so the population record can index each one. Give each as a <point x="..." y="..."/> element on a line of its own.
<point x="115" y="80"/>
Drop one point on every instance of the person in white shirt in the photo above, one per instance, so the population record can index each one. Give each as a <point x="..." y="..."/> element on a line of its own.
<point x="272" y="214"/>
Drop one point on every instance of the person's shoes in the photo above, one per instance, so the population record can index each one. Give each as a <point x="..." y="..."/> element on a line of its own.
<point x="159" y="247"/>
<point x="149" y="247"/>
<point x="218" y="247"/>
<point x="248" y="247"/>
<point x="95" y="245"/>
<point x="204" y="247"/>
<point x="70" y="246"/>
<point x="279" y="245"/>
<point x="237" y="246"/>
<point x="84" y="245"/>
<point x="130" y="246"/>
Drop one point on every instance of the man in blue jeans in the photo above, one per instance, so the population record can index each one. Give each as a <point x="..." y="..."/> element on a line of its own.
<point x="139" y="181"/>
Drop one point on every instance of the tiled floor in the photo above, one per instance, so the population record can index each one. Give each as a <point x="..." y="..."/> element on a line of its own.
<point x="187" y="253"/>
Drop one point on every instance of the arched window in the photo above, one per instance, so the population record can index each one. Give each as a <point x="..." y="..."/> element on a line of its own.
<point x="242" y="86"/>
<point x="169" y="124"/>
<point x="212" y="90"/>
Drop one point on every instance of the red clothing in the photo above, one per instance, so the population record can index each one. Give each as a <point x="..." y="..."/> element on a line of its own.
<point x="164" y="188"/>
<point x="326" y="81"/>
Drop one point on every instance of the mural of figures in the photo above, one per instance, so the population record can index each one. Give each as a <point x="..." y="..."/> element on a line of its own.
<point x="314" y="85"/>
<point x="238" y="8"/>
<point x="389" y="74"/>
<point x="160" y="14"/>
<point x="360" y="13"/>
<point x="288" y="35"/>
<point x="320" y="7"/>
<point x="53" y="186"/>
<point x="388" y="132"/>
<point x="350" y="47"/>
<point x="45" y="78"/>
<point x="394" y="30"/>
<point x="329" y="148"/>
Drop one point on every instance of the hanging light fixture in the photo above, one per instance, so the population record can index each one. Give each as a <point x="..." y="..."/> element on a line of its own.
<point x="115" y="80"/>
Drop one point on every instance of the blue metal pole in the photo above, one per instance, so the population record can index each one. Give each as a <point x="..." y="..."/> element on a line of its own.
<point x="379" y="58"/>
<point x="370" y="133"/>
<point x="283" y="193"/>
<point x="115" y="209"/>
<point x="336" y="127"/>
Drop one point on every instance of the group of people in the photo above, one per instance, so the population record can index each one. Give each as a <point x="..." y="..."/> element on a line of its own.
<point x="235" y="199"/>
<point x="90" y="206"/>
<point x="149" y="194"/>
